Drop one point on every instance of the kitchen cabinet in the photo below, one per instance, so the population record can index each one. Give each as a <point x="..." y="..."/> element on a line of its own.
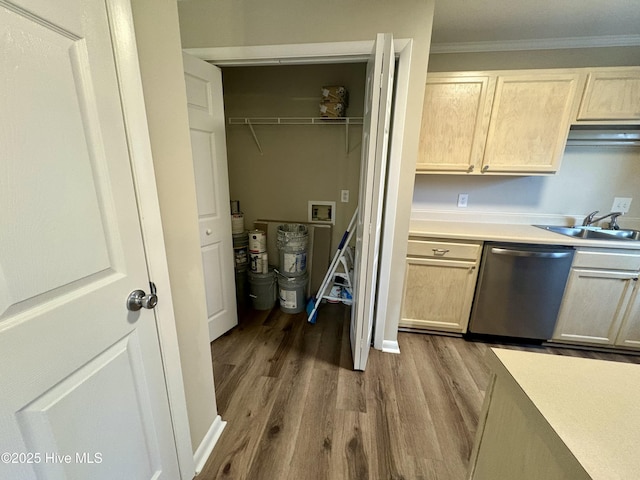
<point x="510" y="122"/>
<point x="611" y="95"/>
<point x="455" y="122"/>
<point x="629" y="335"/>
<point x="600" y="305"/>
<point x="440" y="281"/>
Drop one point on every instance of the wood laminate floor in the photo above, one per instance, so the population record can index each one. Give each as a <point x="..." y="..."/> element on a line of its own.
<point x="297" y="411"/>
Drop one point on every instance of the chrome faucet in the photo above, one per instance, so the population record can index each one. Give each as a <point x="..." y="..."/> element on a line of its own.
<point x="588" y="220"/>
<point x="613" y="223"/>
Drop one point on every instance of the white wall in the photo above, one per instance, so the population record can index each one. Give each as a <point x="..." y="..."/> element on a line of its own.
<point x="589" y="179"/>
<point x="156" y="24"/>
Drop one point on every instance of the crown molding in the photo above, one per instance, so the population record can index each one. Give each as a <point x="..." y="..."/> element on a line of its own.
<point x="537" y="44"/>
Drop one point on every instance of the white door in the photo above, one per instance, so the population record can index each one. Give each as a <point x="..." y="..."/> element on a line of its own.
<point x="82" y="391"/>
<point x="208" y="143"/>
<point x="375" y="141"/>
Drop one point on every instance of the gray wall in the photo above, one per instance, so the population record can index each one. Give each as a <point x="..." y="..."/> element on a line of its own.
<point x="300" y="162"/>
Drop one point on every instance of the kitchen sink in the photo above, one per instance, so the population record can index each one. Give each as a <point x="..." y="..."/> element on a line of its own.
<point x="599" y="234"/>
<point x="626" y="234"/>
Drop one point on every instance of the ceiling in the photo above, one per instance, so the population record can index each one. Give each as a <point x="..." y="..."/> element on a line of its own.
<point x="468" y="25"/>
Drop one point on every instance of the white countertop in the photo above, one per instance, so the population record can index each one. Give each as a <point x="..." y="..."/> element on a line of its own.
<point x="504" y="232"/>
<point x="593" y="406"/>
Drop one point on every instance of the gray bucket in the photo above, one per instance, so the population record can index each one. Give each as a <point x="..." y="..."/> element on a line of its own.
<point x="242" y="288"/>
<point x="292" y="293"/>
<point x="292" y="242"/>
<point x="241" y="250"/>
<point x="262" y="289"/>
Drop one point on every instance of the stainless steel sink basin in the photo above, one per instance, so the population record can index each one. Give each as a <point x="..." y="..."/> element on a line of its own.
<point x="581" y="232"/>
<point x="626" y="234"/>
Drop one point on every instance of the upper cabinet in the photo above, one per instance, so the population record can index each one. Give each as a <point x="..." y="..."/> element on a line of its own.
<point x="611" y="95"/>
<point x="455" y="121"/>
<point x="497" y="122"/>
<point x="530" y="120"/>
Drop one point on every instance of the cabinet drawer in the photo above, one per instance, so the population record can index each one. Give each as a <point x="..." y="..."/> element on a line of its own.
<point x="433" y="249"/>
<point x="609" y="259"/>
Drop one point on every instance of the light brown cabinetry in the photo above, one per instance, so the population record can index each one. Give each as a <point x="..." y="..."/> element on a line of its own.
<point x="601" y="301"/>
<point x="440" y="280"/>
<point x="611" y="96"/>
<point x="496" y="122"/>
<point x="530" y="121"/>
<point x="455" y="122"/>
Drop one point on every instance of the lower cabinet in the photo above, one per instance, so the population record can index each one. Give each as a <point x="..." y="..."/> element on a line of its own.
<point x="629" y="335"/>
<point x="601" y="305"/>
<point x="440" y="281"/>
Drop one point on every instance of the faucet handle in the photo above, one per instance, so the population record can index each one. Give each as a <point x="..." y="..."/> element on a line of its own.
<point x="589" y="218"/>
<point x="613" y="224"/>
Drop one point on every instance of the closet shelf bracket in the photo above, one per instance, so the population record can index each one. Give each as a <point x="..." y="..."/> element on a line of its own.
<point x="255" y="137"/>
<point x="251" y="121"/>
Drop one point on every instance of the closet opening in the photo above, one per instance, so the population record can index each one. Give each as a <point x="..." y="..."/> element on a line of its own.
<point x="288" y="165"/>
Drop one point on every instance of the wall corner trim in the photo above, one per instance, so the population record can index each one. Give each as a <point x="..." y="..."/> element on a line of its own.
<point x="390" y="346"/>
<point x="209" y="441"/>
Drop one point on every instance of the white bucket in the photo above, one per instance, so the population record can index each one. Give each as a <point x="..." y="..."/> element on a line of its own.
<point x="293" y="237"/>
<point x="259" y="262"/>
<point x="291" y="291"/>
<point x="293" y="264"/>
<point x="257" y="241"/>
<point x="237" y="223"/>
<point x="292" y="248"/>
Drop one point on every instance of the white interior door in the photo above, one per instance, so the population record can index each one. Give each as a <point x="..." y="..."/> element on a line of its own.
<point x="375" y="141"/>
<point x="83" y="393"/>
<point x="208" y="143"/>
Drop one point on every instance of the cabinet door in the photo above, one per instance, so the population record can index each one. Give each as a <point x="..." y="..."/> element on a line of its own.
<point x="530" y="121"/>
<point x="629" y="335"/>
<point x="593" y="306"/>
<point x="611" y="94"/>
<point x="455" y="119"/>
<point x="438" y="294"/>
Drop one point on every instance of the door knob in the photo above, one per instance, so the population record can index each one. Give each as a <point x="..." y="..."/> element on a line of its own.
<point x="139" y="299"/>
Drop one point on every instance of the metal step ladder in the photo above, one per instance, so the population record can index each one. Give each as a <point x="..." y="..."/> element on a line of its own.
<point x="342" y="258"/>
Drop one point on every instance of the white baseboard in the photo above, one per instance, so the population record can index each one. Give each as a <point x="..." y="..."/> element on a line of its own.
<point x="390" y="346"/>
<point x="208" y="442"/>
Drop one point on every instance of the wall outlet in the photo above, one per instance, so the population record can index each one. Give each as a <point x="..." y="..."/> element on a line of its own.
<point x="621" y="204"/>
<point x="463" y="200"/>
<point x="344" y="196"/>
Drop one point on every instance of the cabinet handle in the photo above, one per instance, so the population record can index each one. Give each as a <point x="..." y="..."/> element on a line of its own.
<point x="439" y="252"/>
<point x="470" y="169"/>
<point x="471" y="269"/>
<point x="485" y="168"/>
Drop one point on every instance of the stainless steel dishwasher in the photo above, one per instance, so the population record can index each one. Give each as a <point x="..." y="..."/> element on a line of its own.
<point x="519" y="290"/>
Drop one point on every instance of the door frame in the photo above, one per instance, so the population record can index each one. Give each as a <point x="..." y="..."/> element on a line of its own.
<point x="344" y="52"/>
<point x="143" y="173"/>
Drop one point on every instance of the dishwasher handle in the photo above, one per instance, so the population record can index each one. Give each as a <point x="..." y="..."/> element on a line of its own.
<point x="529" y="253"/>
